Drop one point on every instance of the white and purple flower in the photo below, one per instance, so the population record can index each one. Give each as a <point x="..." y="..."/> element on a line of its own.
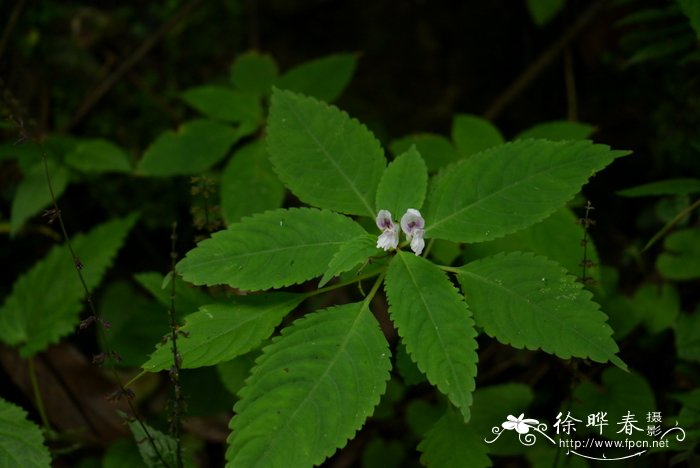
<point x="389" y="238"/>
<point x="413" y="225"/>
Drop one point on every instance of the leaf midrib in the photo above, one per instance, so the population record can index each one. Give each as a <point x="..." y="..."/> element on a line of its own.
<point x="502" y="189"/>
<point x="304" y="402"/>
<point x="325" y="152"/>
<point x="455" y="377"/>
<point x="536" y="306"/>
<point x="229" y="257"/>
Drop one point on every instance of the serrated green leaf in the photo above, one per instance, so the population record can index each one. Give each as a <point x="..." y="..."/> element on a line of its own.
<point x="187" y="297"/>
<point x="453" y="444"/>
<point x="558" y="130"/>
<point x="193" y="148"/>
<point x="435" y="325"/>
<point x="219" y="332"/>
<point x="165" y="446"/>
<point x="270" y="250"/>
<point x="312" y="388"/>
<point x="224" y="104"/>
<point x="249" y="185"/>
<point x="681" y="259"/>
<point x="33" y="321"/>
<point x="326" y="158"/>
<point x="403" y="184"/>
<point x="349" y="256"/>
<point x="618" y="393"/>
<point x="21" y="441"/>
<point x="324" y="78"/>
<point x="254" y="73"/>
<point x="98" y="155"/>
<point x="472" y="134"/>
<point x="691" y="9"/>
<point x="436" y="150"/>
<point x="663" y="187"/>
<point x="558" y="238"/>
<point x="510" y="187"/>
<point x="445" y="252"/>
<point x="687" y="336"/>
<point x="530" y="302"/>
<point x="33" y="195"/>
<point x="543" y="11"/>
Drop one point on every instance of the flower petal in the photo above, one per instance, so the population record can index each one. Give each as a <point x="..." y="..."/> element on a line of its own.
<point x="410" y="221"/>
<point x="384" y="220"/>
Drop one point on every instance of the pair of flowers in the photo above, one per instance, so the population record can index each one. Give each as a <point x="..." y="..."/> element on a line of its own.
<point x="412" y="224"/>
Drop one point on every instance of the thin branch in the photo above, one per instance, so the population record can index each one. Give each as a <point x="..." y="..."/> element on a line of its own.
<point x="542" y="62"/>
<point x="570" y="82"/>
<point x="105" y="86"/>
<point x="177" y="359"/>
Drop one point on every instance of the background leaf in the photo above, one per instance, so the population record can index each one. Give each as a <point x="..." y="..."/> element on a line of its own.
<point x="530" y="302"/>
<point x="618" y="393"/>
<point x="33" y="321"/>
<point x="32" y="194"/>
<point x="349" y="256"/>
<point x="164" y="444"/>
<point x="195" y="147"/>
<point x="472" y="134"/>
<point x="223" y="103"/>
<point x="220" y="332"/>
<point x="254" y="73"/>
<point x="453" y="444"/>
<point x="187" y="297"/>
<point x="543" y="11"/>
<point x="98" y="155"/>
<point x="510" y="187"/>
<point x="436" y="150"/>
<point x="249" y="185"/>
<point x="324" y="78"/>
<point x="681" y="259"/>
<point x="270" y="250"/>
<point x="326" y="158"/>
<point x="558" y="238"/>
<point x="558" y="130"/>
<point x="687" y="338"/>
<point x="403" y="184"/>
<point x="691" y="9"/>
<point x="21" y="441"/>
<point x="663" y="187"/>
<point x="435" y="325"/>
<point x="312" y="388"/>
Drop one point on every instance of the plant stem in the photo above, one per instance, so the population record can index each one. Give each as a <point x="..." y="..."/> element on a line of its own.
<point x="177" y="359"/>
<point x="38" y="400"/>
<point x="670" y="224"/>
<point x="342" y="283"/>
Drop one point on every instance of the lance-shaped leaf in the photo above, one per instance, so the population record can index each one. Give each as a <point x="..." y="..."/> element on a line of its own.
<point x="35" y="320"/>
<point x="558" y="130"/>
<point x="270" y="250"/>
<point x="98" y="156"/>
<point x="249" y="185"/>
<point x="224" y="103"/>
<point x="193" y="148"/>
<point x="436" y="150"/>
<point x="435" y="325"/>
<point x="312" y="388"/>
<point x="33" y="194"/>
<point x="254" y="73"/>
<point x="510" y="187"/>
<point x="453" y="444"/>
<point x="349" y="256"/>
<point x="326" y="158"/>
<point x="530" y="302"/>
<point x="403" y="184"/>
<point x="472" y="134"/>
<point x="324" y="78"/>
<point x="21" y="442"/>
<point x="219" y="332"/>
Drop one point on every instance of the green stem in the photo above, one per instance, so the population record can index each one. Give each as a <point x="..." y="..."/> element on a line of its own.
<point x="450" y="269"/>
<point x="342" y="284"/>
<point x="430" y="246"/>
<point x="37" y="396"/>
<point x="375" y="288"/>
<point x="670" y="224"/>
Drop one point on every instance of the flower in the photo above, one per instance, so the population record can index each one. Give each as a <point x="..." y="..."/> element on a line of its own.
<point x="522" y="426"/>
<point x="389" y="238"/>
<point x="412" y="224"/>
